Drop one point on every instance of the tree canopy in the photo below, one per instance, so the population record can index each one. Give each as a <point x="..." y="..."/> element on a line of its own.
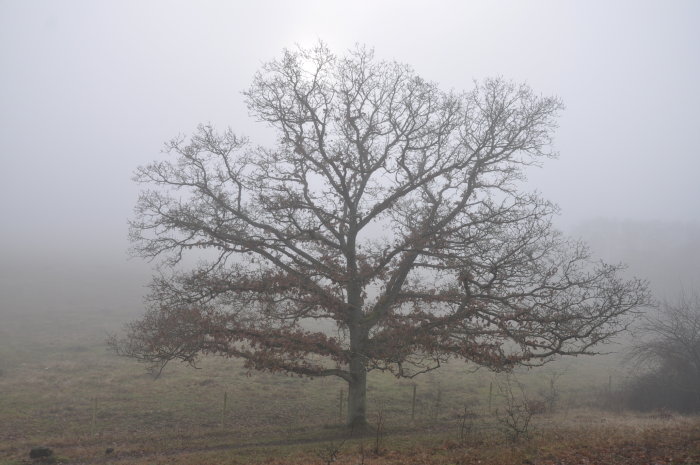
<point x="385" y="229"/>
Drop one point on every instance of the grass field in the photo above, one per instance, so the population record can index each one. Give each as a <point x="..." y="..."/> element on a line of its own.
<point x="60" y="388"/>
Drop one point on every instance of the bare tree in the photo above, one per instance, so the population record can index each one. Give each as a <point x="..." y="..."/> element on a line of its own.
<point x="668" y="352"/>
<point x="388" y="210"/>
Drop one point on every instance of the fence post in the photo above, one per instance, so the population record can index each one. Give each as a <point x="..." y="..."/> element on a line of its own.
<point x="94" y="416"/>
<point x="223" y="410"/>
<point x="413" y="404"/>
<point x="438" y="401"/>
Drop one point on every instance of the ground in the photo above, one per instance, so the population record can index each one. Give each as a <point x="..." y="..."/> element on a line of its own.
<point x="60" y="388"/>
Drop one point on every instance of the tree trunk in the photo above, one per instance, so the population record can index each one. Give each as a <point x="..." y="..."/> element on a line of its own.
<point x="357" y="395"/>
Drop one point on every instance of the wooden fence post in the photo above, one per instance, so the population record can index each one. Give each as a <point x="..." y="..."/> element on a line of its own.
<point x="413" y="404"/>
<point x="94" y="416"/>
<point x="438" y="401"/>
<point x="223" y="410"/>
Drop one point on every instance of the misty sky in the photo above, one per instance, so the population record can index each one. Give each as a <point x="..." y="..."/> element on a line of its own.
<point x="90" y="90"/>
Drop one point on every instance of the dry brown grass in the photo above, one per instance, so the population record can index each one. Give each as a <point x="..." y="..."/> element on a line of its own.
<point x="50" y="380"/>
<point x="585" y="437"/>
<point x="577" y="437"/>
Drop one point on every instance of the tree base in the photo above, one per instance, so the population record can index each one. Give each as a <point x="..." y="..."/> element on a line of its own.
<point x="359" y="425"/>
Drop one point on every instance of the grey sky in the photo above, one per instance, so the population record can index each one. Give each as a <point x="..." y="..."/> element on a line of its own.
<point x="90" y="90"/>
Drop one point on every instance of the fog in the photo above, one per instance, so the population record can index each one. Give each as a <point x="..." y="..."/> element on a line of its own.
<point x="91" y="90"/>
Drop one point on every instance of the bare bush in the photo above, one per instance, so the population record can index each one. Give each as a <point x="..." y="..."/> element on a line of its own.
<point x="668" y="359"/>
<point x="379" y="431"/>
<point x="466" y="425"/>
<point x="330" y="452"/>
<point x="537" y="407"/>
<point x="516" y="414"/>
<point x="551" y="394"/>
